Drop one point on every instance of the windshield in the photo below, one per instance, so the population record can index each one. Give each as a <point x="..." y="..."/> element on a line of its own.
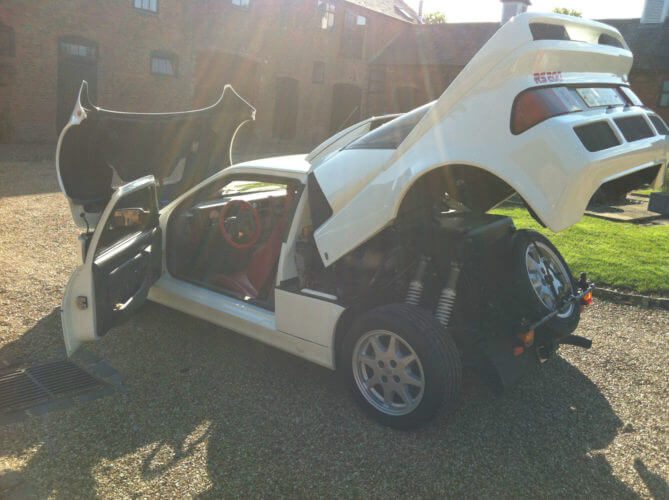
<point x="391" y="134"/>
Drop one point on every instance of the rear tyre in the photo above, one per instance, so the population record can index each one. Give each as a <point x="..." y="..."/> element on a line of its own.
<point x="401" y="365"/>
<point x="540" y="271"/>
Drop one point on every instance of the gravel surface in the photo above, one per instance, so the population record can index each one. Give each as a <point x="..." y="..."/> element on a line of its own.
<point x="208" y="412"/>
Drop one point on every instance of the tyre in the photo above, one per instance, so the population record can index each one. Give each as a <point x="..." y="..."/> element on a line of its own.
<point x="539" y="272"/>
<point x="401" y="365"/>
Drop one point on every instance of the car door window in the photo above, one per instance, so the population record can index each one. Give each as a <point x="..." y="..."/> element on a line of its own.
<point x="229" y="236"/>
<point x="133" y="214"/>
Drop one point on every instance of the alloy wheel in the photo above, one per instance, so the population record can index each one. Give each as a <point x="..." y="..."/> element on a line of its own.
<point x="388" y="372"/>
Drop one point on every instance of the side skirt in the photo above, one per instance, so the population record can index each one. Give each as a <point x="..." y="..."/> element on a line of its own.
<point x="237" y="315"/>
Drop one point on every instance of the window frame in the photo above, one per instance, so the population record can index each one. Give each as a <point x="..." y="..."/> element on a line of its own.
<point x="93" y="50"/>
<point x="133" y="3"/>
<point x="327" y="14"/>
<point x="353" y="32"/>
<point x="664" y="93"/>
<point x="166" y="56"/>
<point x="241" y="6"/>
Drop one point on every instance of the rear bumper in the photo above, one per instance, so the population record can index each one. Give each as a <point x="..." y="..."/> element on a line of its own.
<point x="579" y="173"/>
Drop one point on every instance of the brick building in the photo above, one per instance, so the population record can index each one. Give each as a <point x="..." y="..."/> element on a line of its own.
<point x="292" y="59"/>
<point x="310" y="67"/>
<point x="47" y="48"/>
<point x="304" y="65"/>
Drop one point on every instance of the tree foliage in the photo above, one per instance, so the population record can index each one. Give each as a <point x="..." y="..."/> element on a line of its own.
<point x="568" y="12"/>
<point x="435" y="18"/>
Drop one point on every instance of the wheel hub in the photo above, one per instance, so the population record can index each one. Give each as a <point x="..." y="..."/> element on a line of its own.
<point x="548" y="276"/>
<point x="388" y="372"/>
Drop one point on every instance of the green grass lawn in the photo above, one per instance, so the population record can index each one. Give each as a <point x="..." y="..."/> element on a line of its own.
<point x="620" y="255"/>
<point x="644" y="192"/>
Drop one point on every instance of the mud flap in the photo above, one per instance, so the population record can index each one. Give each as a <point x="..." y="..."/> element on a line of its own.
<point x="502" y="369"/>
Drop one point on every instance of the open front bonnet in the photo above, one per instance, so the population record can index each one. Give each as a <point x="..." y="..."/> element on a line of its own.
<point x="100" y="148"/>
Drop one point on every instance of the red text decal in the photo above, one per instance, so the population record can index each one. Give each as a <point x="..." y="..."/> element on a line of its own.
<point x="548" y="77"/>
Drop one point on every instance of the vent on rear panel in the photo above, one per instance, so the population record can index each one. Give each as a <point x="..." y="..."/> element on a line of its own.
<point x="605" y="39"/>
<point x="597" y="136"/>
<point x="544" y="31"/>
<point x="634" y="128"/>
<point x="660" y="126"/>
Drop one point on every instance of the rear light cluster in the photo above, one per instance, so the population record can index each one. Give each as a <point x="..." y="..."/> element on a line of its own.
<point x="534" y="106"/>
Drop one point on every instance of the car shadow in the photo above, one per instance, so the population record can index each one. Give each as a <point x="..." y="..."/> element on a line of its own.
<point x="14" y="181"/>
<point x="229" y="416"/>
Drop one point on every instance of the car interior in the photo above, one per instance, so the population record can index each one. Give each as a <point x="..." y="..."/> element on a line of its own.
<point x="228" y="237"/>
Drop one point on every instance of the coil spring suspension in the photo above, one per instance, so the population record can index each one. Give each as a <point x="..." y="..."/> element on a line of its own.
<point x="446" y="303"/>
<point x="415" y="290"/>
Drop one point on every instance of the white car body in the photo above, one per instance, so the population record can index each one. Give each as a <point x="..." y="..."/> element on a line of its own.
<point x="469" y="125"/>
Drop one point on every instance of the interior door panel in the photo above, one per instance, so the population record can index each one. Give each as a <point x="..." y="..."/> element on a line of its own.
<point x="122" y="276"/>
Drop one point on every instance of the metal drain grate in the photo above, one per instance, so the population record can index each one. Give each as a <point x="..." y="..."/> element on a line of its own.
<point x="35" y="385"/>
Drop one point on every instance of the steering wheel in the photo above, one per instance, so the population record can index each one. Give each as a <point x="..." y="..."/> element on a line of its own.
<point x="239" y="223"/>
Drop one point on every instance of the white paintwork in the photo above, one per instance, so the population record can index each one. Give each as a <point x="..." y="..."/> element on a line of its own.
<point x="470" y="124"/>
<point x="306" y="317"/>
<point x="79" y="325"/>
<point x="237" y="315"/>
<point x="343" y="138"/>
<point x="277" y="165"/>
<point x="78" y="115"/>
<point x="306" y="326"/>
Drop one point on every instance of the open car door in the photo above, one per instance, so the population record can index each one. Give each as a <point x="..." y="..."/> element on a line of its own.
<point x="121" y="263"/>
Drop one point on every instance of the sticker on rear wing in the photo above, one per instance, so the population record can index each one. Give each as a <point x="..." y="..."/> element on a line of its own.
<point x="548" y="77"/>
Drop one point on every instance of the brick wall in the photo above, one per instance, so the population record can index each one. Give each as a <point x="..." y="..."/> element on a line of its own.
<point x="215" y="42"/>
<point x="647" y="86"/>
<point x="125" y="38"/>
<point x="254" y="48"/>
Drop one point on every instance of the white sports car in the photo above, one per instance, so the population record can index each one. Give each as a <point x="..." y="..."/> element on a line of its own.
<point x="374" y="254"/>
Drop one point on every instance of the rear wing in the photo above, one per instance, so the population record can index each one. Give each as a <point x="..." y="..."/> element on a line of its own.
<point x="570" y="28"/>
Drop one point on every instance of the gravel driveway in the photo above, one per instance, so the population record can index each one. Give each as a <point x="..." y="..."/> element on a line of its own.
<point x="207" y="412"/>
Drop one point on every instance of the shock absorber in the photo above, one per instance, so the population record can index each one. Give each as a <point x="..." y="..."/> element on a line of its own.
<point x="447" y="298"/>
<point x="415" y="290"/>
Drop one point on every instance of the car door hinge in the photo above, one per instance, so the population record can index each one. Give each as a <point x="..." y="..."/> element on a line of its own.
<point x="82" y="302"/>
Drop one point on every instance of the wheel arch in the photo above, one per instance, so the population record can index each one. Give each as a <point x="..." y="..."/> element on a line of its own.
<point x="344" y="324"/>
<point x="476" y="186"/>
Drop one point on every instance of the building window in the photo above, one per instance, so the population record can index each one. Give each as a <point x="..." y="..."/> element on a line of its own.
<point x="163" y="63"/>
<point x="242" y="4"/>
<point x="78" y="47"/>
<point x="147" y="5"/>
<point x="6" y="41"/>
<point x="353" y="35"/>
<point x="664" y="94"/>
<point x="285" y="109"/>
<point x="318" y="72"/>
<point x="327" y="14"/>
